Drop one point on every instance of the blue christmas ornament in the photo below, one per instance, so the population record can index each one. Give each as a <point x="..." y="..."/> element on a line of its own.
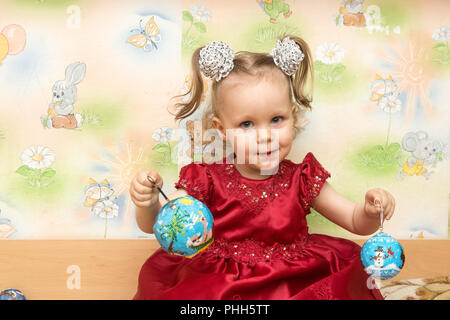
<point x="382" y="256"/>
<point x="11" y="294"/>
<point x="183" y="227"/>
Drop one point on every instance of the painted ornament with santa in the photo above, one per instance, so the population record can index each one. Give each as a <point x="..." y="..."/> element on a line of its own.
<point x="382" y="256"/>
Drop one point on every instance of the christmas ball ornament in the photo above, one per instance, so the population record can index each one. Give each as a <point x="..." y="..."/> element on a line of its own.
<point x="11" y="294"/>
<point x="382" y="256"/>
<point x="183" y="227"/>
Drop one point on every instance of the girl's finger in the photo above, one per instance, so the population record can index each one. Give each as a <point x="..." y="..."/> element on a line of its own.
<point x="372" y="196"/>
<point x="384" y="199"/>
<point x="142" y="189"/>
<point x="153" y="177"/>
<point x="387" y="208"/>
<point x="139" y="196"/>
<point x="143" y="204"/>
<point x="371" y="209"/>
<point x="142" y="178"/>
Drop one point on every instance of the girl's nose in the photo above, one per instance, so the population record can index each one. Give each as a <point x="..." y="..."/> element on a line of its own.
<point x="269" y="138"/>
<point x="264" y="136"/>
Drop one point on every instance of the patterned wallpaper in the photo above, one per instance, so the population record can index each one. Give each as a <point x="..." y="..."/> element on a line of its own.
<point x="85" y="103"/>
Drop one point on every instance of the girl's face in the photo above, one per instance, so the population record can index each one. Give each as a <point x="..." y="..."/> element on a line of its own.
<point x="256" y="115"/>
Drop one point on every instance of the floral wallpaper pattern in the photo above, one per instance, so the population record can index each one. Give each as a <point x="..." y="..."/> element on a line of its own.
<point x="85" y="103"/>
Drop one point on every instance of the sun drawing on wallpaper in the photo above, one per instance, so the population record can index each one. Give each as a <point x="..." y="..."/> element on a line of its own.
<point x="412" y="77"/>
<point x="122" y="163"/>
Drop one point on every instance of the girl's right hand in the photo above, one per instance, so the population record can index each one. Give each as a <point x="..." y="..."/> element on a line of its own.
<point x="143" y="192"/>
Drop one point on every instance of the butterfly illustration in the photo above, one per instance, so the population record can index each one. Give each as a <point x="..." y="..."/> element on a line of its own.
<point x="148" y="37"/>
<point x="97" y="192"/>
<point x="382" y="87"/>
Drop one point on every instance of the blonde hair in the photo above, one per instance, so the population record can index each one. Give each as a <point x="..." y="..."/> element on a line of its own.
<point x="250" y="63"/>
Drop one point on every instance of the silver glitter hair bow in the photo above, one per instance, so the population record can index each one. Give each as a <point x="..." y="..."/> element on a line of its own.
<point x="216" y="60"/>
<point x="287" y="55"/>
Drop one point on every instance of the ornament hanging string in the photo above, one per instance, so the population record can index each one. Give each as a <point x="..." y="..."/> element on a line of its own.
<point x="381" y="215"/>
<point x="374" y="249"/>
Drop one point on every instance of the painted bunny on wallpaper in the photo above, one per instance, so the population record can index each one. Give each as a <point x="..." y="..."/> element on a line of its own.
<point x="60" y="112"/>
<point x="351" y="13"/>
<point x="424" y="153"/>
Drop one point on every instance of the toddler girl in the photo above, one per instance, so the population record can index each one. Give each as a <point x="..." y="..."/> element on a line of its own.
<point x="258" y="198"/>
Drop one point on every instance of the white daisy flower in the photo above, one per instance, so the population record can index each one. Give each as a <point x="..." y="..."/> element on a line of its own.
<point x="390" y="103"/>
<point x="162" y="134"/>
<point x="38" y="157"/>
<point x="330" y="53"/>
<point x="200" y="12"/>
<point x="441" y="34"/>
<point x="106" y="209"/>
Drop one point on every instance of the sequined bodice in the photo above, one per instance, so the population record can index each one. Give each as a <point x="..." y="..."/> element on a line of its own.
<point x="256" y="194"/>
<point x="271" y="211"/>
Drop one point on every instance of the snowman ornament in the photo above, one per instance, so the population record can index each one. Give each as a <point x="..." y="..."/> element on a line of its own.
<point x="382" y="256"/>
<point x="379" y="257"/>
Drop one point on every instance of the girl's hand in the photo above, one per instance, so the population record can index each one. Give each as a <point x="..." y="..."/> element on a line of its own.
<point x="377" y="197"/>
<point x="143" y="192"/>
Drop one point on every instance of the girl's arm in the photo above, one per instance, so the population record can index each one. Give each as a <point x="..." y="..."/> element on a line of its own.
<point x="361" y="219"/>
<point x="145" y="216"/>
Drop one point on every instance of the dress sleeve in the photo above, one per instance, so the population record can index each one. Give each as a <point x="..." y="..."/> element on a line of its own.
<point x="196" y="180"/>
<point x="312" y="178"/>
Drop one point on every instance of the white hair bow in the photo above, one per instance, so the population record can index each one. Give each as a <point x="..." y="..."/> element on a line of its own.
<point x="287" y="55"/>
<point x="216" y="58"/>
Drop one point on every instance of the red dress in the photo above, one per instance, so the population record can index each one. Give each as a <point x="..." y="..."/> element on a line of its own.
<point x="262" y="248"/>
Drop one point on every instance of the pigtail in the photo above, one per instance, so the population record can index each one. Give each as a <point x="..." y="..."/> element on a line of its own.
<point x="195" y="91"/>
<point x="300" y="78"/>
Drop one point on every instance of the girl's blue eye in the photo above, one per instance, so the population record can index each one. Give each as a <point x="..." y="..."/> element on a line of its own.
<point x="246" y="124"/>
<point x="278" y="119"/>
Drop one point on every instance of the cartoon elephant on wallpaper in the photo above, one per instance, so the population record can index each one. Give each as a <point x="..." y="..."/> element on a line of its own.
<point x="424" y="153"/>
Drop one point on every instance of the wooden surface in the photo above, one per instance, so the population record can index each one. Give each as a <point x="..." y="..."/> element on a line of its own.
<point x="109" y="269"/>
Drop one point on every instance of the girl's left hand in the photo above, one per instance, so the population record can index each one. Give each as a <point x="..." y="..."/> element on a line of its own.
<point x="377" y="197"/>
